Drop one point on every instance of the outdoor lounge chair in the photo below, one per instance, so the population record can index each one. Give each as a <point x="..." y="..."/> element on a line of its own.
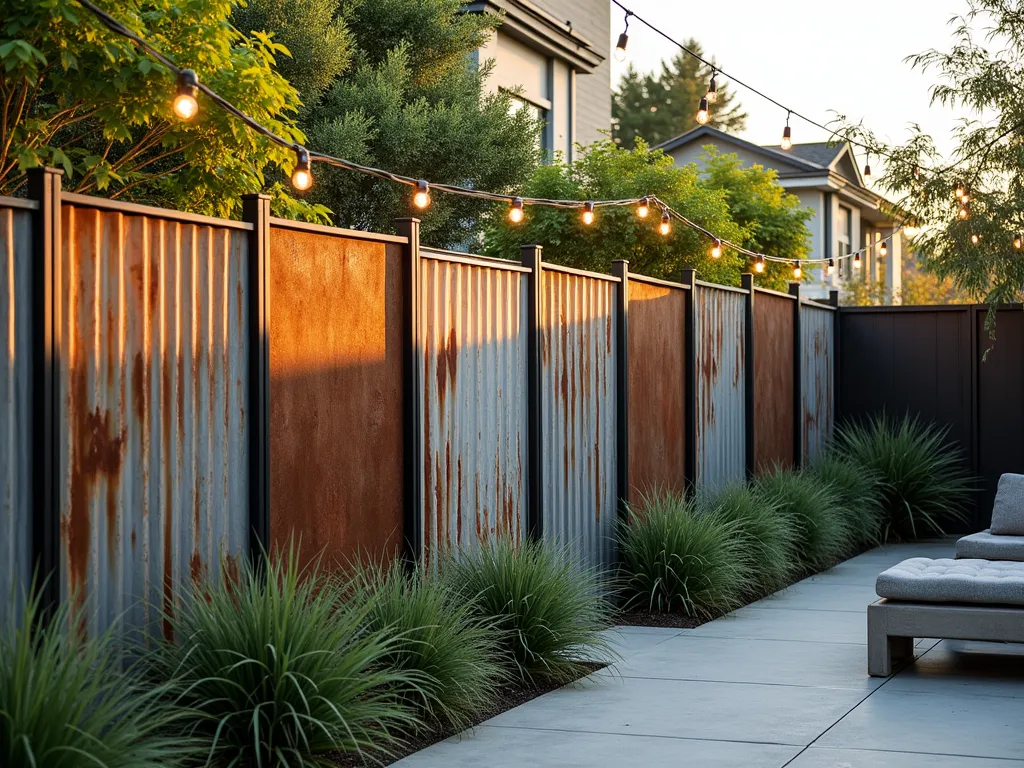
<point x="978" y="596"/>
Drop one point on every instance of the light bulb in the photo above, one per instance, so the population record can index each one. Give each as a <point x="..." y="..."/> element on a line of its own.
<point x="1018" y="242"/>
<point x="965" y="199"/>
<point x="759" y="265"/>
<point x="867" y="172"/>
<point x="856" y="261"/>
<point x="666" y="224"/>
<point x="797" y="272"/>
<point x="712" y="90"/>
<point x="960" y="191"/>
<point x="787" y="138"/>
<point x="620" y="47"/>
<point x="421" y="199"/>
<point x="831" y="268"/>
<point x="964" y="213"/>
<point x="302" y="176"/>
<point x="911" y="231"/>
<point x="883" y="249"/>
<point x="703" y="114"/>
<point x="185" y="104"/>
<point x="644" y="208"/>
<point x="974" y="239"/>
<point x="515" y="213"/>
<point x="716" y="249"/>
<point x="588" y="213"/>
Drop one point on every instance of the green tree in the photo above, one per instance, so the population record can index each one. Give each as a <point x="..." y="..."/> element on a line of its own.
<point x="407" y="99"/>
<point x="773" y="221"/>
<point x="604" y="171"/>
<point x="659" y="107"/>
<point x="982" y="74"/>
<point x="77" y="96"/>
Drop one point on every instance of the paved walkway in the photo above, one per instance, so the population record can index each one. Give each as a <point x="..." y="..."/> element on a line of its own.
<point x="782" y="682"/>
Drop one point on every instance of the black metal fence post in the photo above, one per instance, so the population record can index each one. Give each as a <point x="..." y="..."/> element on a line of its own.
<point x="256" y="211"/>
<point x="798" y="396"/>
<point x="532" y="258"/>
<point x="690" y="337"/>
<point x="750" y="401"/>
<point x="620" y="269"/>
<point x="833" y="300"/>
<point x="44" y="187"/>
<point x="412" y="390"/>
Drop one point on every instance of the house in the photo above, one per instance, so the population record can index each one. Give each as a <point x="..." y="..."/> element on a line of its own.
<point x="553" y="53"/>
<point x="847" y="215"/>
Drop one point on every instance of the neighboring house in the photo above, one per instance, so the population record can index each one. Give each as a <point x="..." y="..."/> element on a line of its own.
<point x="554" y="53"/>
<point x="847" y="215"/>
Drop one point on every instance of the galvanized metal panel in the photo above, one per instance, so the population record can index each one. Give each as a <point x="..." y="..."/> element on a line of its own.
<point x="153" y="433"/>
<point x="817" y="371"/>
<point x="774" y="404"/>
<point x="474" y="405"/>
<point x="15" y="405"/>
<point x="721" y="408"/>
<point x="657" y="389"/>
<point x="578" y="415"/>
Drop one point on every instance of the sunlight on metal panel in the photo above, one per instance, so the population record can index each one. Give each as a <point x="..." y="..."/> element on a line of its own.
<point x="817" y="342"/>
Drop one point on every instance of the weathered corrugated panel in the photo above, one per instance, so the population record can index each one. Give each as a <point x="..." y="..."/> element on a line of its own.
<point x="474" y="406"/>
<point x="721" y="409"/>
<point x="336" y="444"/>
<point x="657" y="389"/>
<point x="773" y="381"/>
<point x="817" y="371"/>
<point x="153" y="436"/>
<point x="15" y="403"/>
<point x="578" y="415"/>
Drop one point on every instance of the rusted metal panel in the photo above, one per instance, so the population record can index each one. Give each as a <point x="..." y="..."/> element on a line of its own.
<point x="721" y="408"/>
<point x="474" y="405"/>
<point x="773" y="381"/>
<point x="336" y="443"/>
<point x="657" y="382"/>
<point x="153" y="463"/>
<point x="817" y="371"/>
<point x="578" y="415"/>
<point x="15" y="403"/>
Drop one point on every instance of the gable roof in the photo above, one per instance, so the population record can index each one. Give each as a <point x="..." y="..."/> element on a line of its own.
<point x="819" y="152"/>
<point x="705" y="133"/>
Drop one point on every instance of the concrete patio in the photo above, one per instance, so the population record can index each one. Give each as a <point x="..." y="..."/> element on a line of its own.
<point x="782" y="682"/>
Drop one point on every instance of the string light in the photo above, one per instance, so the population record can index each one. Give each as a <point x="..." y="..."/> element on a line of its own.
<point x="787" y="135"/>
<point x="588" y="213"/>
<point x="185" y="104"/>
<point x="960" y="191"/>
<point x="620" y="47"/>
<point x="712" y="89"/>
<point x="666" y="224"/>
<point x="856" y="260"/>
<point x="963" y="213"/>
<point x="883" y="249"/>
<point x="421" y="199"/>
<point x="1018" y="242"/>
<point x="302" y="176"/>
<point x="797" y="272"/>
<point x="644" y="208"/>
<point x="703" y="113"/>
<point x="975" y="238"/>
<point x="716" y="249"/>
<point x="867" y="169"/>
<point x="759" y="265"/>
<point x="831" y="268"/>
<point x="515" y="213"/>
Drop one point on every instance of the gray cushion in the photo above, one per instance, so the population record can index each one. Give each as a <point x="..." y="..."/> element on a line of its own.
<point x="921" y="579"/>
<point x="986" y="546"/>
<point x="1008" y="509"/>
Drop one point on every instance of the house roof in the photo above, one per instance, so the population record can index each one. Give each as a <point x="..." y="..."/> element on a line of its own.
<point x="820" y="153"/>
<point x="705" y="133"/>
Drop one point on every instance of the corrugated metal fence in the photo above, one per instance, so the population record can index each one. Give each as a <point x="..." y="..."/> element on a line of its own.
<point x="817" y="371"/>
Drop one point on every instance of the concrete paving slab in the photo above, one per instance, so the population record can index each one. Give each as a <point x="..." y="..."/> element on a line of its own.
<point x="627" y="643"/>
<point x="517" y="747"/>
<point x="820" y="757"/>
<point x="965" y="669"/>
<point x="789" y="624"/>
<point x="818" y="596"/>
<point x="717" y="711"/>
<point x="976" y="726"/>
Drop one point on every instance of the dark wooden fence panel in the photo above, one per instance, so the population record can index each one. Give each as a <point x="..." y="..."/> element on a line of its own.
<point x="773" y="381"/>
<point x="657" y="384"/>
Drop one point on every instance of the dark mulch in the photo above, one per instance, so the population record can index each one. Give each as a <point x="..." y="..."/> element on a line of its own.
<point x="509" y="697"/>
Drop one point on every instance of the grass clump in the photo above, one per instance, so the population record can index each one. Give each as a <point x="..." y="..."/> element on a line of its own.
<point x="64" y="702"/>
<point x="820" y="533"/>
<point x="859" y="495"/>
<point x="549" y="611"/>
<point x="435" y="636"/>
<point x="676" y="560"/>
<point x="274" y="669"/>
<point x="763" y="532"/>
<point x="923" y="481"/>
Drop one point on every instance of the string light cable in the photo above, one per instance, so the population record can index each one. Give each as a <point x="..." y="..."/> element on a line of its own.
<point x="302" y="178"/>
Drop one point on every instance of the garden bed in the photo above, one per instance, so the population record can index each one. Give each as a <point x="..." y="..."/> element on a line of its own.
<point x="509" y="696"/>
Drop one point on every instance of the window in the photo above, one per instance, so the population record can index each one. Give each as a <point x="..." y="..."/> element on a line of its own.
<point x="537" y="113"/>
<point x="844" y="236"/>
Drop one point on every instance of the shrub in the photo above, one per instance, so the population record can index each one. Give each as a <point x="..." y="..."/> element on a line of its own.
<point x="858" y="491"/>
<point x="274" y="669"/>
<point x="764" y="533"/>
<point x="436" y="636"/>
<point x="548" y="610"/>
<point x="923" y="481"/>
<point x="64" y="703"/>
<point x="816" y="518"/>
<point x="678" y="561"/>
